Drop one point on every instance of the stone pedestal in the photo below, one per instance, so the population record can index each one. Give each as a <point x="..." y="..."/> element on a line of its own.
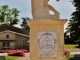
<point x="47" y="39"/>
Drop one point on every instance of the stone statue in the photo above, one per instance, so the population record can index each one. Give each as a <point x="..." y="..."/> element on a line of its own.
<point x="40" y="10"/>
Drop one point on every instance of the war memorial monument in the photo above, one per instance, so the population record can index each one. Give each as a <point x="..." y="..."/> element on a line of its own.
<point x="46" y="32"/>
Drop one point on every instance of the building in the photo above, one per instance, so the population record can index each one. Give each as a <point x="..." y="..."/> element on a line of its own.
<point x="13" y="38"/>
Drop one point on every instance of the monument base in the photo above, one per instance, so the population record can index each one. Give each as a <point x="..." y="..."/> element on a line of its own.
<point x="47" y="39"/>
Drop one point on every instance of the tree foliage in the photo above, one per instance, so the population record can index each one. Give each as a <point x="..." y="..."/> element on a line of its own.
<point x="8" y="16"/>
<point x="24" y="24"/>
<point x="74" y="23"/>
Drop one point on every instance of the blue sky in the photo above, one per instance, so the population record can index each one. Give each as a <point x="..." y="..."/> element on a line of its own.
<point x="65" y="7"/>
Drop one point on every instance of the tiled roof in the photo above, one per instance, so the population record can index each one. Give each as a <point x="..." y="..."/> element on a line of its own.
<point x="5" y="27"/>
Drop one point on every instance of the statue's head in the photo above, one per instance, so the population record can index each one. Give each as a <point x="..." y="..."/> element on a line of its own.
<point x="57" y="0"/>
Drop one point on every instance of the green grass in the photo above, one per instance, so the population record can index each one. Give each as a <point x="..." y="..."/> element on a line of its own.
<point x="70" y="56"/>
<point x="11" y="57"/>
<point x="70" y="46"/>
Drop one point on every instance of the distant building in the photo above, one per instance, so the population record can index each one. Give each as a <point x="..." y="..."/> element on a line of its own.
<point x="13" y="38"/>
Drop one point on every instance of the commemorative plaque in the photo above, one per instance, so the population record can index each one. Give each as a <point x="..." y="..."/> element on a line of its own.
<point x="47" y="43"/>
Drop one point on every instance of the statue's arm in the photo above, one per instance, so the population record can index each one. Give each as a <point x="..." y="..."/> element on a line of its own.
<point x="52" y="9"/>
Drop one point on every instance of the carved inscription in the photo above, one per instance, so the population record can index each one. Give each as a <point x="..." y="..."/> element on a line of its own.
<point x="47" y="43"/>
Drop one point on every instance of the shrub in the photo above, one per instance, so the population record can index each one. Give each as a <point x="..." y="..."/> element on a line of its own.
<point x="24" y="50"/>
<point x="7" y="51"/>
<point x="2" y="51"/>
<point x="66" y="52"/>
<point x="16" y="53"/>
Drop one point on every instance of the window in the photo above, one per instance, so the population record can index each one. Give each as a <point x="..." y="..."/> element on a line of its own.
<point x="24" y="43"/>
<point x="7" y="36"/>
<point x="6" y="45"/>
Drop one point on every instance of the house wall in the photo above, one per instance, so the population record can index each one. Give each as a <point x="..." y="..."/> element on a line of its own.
<point x="12" y="45"/>
<point x="16" y="40"/>
<point x="19" y="42"/>
<point x="0" y="45"/>
<point x="11" y="39"/>
<point x="3" y="36"/>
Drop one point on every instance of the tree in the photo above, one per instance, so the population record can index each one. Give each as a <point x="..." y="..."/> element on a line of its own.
<point x="74" y="24"/>
<point x="24" y="24"/>
<point x="8" y="16"/>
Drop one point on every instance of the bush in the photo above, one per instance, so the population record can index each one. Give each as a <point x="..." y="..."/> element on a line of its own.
<point x="24" y="50"/>
<point x="15" y="52"/>
<point x="2" y="51"/>
<point x="66" y="52"/>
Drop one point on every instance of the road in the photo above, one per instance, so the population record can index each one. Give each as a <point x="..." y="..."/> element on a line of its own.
<point x="5" y="54"/>
<point x="74" y="52"/>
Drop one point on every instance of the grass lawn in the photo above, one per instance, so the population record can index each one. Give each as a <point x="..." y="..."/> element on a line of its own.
<point x="70" y="46"/>
<point x="70" y="56"/>
<point x="11" y="57"/>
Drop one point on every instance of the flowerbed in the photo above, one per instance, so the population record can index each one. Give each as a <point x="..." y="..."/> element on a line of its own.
<point x="16" y="52"/>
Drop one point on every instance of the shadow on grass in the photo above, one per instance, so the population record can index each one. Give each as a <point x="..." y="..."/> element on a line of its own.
<point x="77" y="46"/>
<point x="2" y="58"/>
<point x="76" y="57"/>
